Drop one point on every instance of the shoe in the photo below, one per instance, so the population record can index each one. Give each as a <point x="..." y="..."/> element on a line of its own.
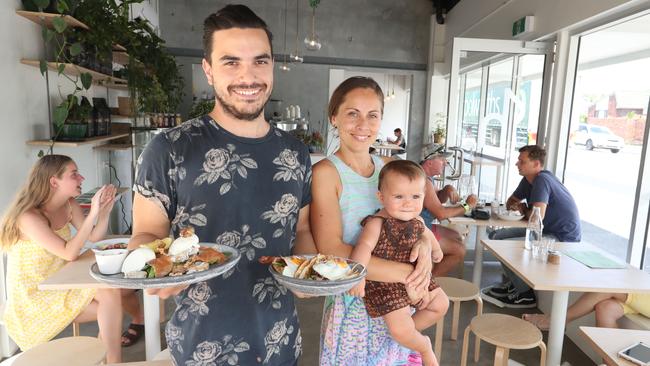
<point x="502" y="290"/>
<point x="132" y="334"/>
<point x="485" y="295"/>
<point x="520" y="301"/>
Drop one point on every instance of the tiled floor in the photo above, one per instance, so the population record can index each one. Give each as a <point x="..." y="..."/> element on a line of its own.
<point x="310" y="311"/>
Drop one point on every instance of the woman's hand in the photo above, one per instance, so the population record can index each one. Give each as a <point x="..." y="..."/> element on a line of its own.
<point x="359" y="289"/>
<point x="166" y="292"/>
<point x="96" y="202"/>
<point x="107" y="200"/>
<point x="421" y="275"/>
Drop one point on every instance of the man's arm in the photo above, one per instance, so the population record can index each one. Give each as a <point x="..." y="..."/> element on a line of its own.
<point x="433" y="205"/>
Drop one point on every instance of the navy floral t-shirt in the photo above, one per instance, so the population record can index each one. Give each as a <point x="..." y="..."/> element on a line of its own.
<point x="244" y="193"/>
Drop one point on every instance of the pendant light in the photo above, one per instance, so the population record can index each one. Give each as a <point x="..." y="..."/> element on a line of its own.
<point x="295" y="56"/>
<point x="284" y="66"/>
<point x="312" y="42"/>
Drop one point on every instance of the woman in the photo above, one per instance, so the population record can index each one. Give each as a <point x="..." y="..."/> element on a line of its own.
<point x="37" y="236"/>
<point x="344" y="190"/>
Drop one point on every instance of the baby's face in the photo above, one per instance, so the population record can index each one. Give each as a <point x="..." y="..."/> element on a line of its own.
<point x="401" y="197"/>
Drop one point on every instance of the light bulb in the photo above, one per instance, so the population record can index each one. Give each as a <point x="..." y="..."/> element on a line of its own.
<point x="296" y="59"/>
<point x="312" y="43"/>
<point x="284" y="67"/>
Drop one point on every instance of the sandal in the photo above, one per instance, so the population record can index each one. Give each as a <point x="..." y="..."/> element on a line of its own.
<point x="132" y="334"/>
<point x="541" y="321"/>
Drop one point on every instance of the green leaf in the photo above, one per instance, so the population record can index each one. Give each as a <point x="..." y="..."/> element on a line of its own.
<point x="60" y="68"/>
<point x="43" y="66"/>
<point x="47" y="34"/>
<point x="60" y="114"/>
<point x="41" y="4"/>
<point x="41" y="153"/>
<point x="62" y="6"/>
<point x="59" y="24"/>
<point x="86" y="80"/>
<point x="75" y="49"/>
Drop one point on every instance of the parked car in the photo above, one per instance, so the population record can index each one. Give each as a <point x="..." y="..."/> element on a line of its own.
<point x="599" y="137"/>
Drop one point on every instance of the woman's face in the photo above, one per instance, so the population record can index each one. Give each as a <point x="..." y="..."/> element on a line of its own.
<point x="69" y="183"/>
<point x="358" y="119"/>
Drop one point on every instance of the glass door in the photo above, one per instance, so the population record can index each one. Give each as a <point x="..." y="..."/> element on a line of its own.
<point x="497" y="93"/>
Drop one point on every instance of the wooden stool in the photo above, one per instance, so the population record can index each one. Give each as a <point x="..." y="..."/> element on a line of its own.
<point x="70" y="351"/>
<point x="457" y="291"/>
<point x="505" y="332"/>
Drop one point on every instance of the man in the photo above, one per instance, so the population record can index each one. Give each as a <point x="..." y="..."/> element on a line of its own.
<point x="240" y="182"/>
<point x="540" y="188"/>
<point x="399" y="141"/>
<point x="450" y="241"/>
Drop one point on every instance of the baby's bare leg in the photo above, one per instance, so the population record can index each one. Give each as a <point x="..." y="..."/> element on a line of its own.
<point x="430" y="315"/>
<point x="402" y="328"/>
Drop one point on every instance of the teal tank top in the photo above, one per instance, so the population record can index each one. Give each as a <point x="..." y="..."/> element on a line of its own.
<point x="359" y="196"/>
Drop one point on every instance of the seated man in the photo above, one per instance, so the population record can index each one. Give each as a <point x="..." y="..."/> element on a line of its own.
<point x="540" y="188"/>
<point x="450" y="241"/>
<point x="399" y="141"/>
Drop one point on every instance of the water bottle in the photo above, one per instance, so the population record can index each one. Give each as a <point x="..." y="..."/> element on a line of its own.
<point x="534" y="228"/>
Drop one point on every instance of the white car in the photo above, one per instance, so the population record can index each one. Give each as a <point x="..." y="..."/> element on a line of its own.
<point x="600" y="137"/>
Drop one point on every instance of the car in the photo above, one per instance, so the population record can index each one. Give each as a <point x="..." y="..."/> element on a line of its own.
<point x="597" y="137"/>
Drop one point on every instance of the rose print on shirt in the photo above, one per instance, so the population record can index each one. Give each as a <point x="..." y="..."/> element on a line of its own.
<point x="289" y="166"/>
<point x="174" y="336"/>
<point x="218" y="353"/>
<point x="297" y="346"/>
<point x="193" y="217"/>
<point x="178" y="170"/>
<point x="223" y="164"/>
<point x="285" y="212"/>
<point x="268" y="288"/>
<point x="276" y="338"/>
<point x="196" y="302"/>
<point x="175" y="133"/>
<point x="243" y="241"/>
<point x="147" y="190"/>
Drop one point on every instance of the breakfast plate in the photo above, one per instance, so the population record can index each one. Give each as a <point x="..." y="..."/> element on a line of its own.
<point x="509" y="216"/>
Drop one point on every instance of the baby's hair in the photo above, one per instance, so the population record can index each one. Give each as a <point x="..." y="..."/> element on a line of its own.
<point x="405" y="168"/>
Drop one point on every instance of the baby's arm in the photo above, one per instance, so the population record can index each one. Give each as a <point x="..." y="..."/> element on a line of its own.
<point x="363" y="250"/>
<point x="436" y="251"/>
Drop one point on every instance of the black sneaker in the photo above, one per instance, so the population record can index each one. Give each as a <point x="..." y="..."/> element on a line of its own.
<point x="502" y="290"/>
<point x="520" y="301"/>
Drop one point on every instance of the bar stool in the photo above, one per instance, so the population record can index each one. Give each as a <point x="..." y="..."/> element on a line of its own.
<point x="69" y="351"/>
<point x="457" y="291"/>
<point x="505" y="332"/>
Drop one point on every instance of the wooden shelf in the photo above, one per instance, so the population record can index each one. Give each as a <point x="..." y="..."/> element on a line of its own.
<point x="118" y="47"/>
<point x="46" y="18"/>
<point x="75" y="70"/>
<point x="111" y="147"/>
<point x="117" y="86"/>
<point x="88" y="141"/>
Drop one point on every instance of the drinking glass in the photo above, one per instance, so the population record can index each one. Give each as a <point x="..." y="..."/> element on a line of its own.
<point x="537" y="248"/>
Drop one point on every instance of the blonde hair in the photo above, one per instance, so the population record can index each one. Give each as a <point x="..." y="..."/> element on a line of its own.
<point x="33" y="194"/>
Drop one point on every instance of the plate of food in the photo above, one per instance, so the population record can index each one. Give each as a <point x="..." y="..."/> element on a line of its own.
<point x="167" y="262"/>
<point x="510" y="215"/>
<point x="316" y="275"/>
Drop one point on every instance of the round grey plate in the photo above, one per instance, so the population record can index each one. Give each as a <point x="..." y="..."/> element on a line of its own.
<point x="320" y="288"/>
<point x="215" y="270"/>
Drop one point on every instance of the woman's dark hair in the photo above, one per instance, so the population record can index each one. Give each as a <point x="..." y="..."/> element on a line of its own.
<point x="355" y="82"/>
<point x="231" y="16"/>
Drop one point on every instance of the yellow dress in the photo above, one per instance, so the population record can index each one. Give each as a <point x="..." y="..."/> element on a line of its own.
<point x="34" y="316"/>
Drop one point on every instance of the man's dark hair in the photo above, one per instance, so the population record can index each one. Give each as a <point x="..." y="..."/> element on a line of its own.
<point x="535" y="153"/>
<point x="231" y="16"/>
<point x="405" y="168"/>
<point x="398" y="130"/>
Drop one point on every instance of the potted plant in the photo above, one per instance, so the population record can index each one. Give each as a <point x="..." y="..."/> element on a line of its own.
<point x="315" y="142"/>
<point x="74" y="128"/>
<point x="439" y="131"/>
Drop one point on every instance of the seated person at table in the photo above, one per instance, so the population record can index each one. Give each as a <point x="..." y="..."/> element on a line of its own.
<point x="608" y="307"/>
<point x="36" y="234"/>
<point x="450" y="240"/>
<point x="540" y="188"/>
<point x="390" y="234"/>
<point x="399" y="141"/>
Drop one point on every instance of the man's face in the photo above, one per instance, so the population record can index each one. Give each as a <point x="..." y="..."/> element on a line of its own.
<point x="526" y="166"/>
<point x="241" y="71"/>
<point x="434" y="166"/>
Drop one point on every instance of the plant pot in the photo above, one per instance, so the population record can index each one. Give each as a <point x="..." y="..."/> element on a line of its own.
<point x="72" y="132"/>
<point x="124" y="106"/>
<point x="439" y="139"/>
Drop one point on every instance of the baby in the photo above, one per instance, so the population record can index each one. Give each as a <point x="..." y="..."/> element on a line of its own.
<point x="390" y="234"/>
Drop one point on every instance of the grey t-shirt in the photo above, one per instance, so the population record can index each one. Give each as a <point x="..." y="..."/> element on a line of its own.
<point x="561" y="218"/>
<point x="245" y="193"/>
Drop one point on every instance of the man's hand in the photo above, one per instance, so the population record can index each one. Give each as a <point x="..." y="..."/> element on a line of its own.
<point x="166" y="292"/>
<point x="471" y="200"/>
<point x="450" y="193"/>
<point x="420" y="276"/>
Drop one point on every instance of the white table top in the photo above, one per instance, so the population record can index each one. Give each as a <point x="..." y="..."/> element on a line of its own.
<point x="386" y="146"/>
<point x="569" y="275"/>
<point x="493" y="221"/>
<point x="607" y="342"/>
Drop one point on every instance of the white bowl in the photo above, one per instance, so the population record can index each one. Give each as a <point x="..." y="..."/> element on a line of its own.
<point x="110" y="261"/>
<point x="509" y="217"/>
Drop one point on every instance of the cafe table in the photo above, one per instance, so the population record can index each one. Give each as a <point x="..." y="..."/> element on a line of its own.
<point x="481" y="227"/>
<point x="608" y="341"/>
<point x="76" y="275"/>
<point x="569" y="275"/>
<point x="386" y="149"/>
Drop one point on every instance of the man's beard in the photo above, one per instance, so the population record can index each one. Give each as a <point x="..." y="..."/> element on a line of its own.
<point x="234" y="112"/>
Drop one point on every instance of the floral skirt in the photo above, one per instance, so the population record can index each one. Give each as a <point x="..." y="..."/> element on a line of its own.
<point x="349" y="336"/>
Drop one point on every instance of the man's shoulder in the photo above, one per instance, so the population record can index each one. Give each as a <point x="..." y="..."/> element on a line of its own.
<point x="290" y="141"/>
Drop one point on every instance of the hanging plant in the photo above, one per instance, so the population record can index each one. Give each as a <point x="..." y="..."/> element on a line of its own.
<point x="314" y="3"/>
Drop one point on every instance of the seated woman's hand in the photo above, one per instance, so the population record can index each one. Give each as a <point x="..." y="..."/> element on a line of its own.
<point x="359" y="290"/>
<point x="421" y="275"/>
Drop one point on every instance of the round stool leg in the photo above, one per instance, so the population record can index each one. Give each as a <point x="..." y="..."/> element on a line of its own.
<point x="501" y="356"/>
<point x="479" y="311"/>
<point x="542" y="357"/>
<point x="75" y="329"/>
<point x="463" y="357"/>
<point x="454" y="320"/>
<point x="440" y="326"/>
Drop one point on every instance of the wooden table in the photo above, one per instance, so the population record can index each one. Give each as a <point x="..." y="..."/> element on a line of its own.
<point x="481" y="226"/>
<point x="569" y="275"/>
<point x="76" y="275"/>
<point x="608" y="342"/>
<point x="386" y="149"/>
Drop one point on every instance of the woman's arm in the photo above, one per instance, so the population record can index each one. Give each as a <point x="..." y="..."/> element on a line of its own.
<point x="327" y="228"/>
<point x="105" y="206"/>
<point x="304" y="243"/>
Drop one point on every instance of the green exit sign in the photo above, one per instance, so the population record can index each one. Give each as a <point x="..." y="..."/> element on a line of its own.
<point x="523" y="26"/>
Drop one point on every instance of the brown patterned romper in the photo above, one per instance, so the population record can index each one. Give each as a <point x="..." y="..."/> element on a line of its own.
<point x="395" y="242"/>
